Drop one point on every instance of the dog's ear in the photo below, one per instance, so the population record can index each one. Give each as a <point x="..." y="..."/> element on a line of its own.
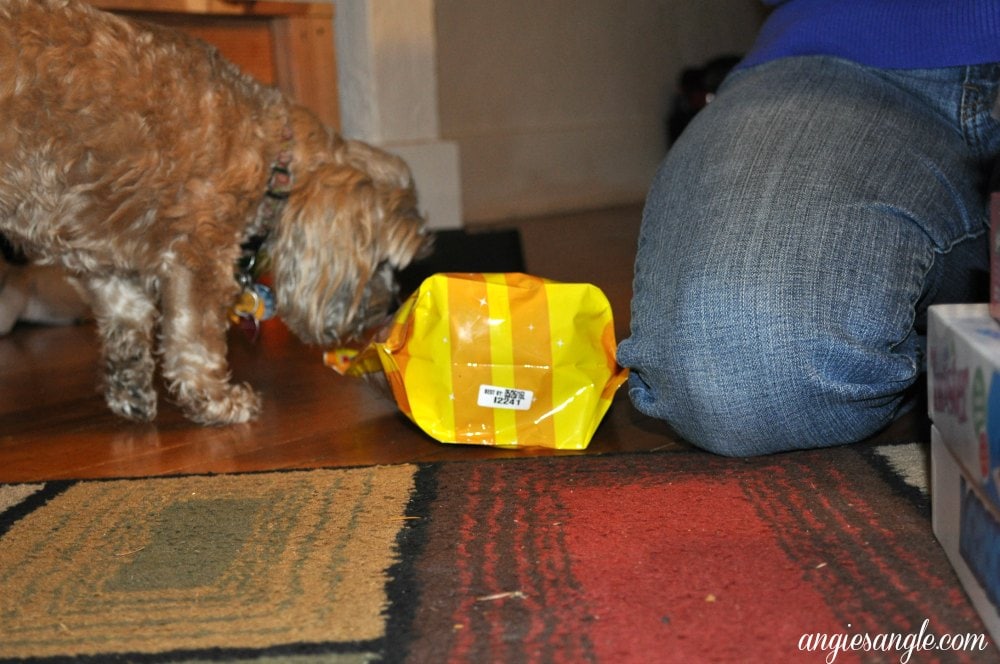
<point x="343" y="231"/>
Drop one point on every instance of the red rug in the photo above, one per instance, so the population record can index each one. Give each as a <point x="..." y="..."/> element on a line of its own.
<point x="679" y="557"/>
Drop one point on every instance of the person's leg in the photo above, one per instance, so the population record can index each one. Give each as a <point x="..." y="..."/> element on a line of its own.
<point x="792" y="240"/>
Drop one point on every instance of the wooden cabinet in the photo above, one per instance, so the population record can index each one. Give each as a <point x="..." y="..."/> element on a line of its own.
<point x="286" y="44"/>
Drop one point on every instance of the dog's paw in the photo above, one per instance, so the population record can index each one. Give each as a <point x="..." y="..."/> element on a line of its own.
<point x="232" y="405"/>
<point x="128" y="386"/>
<point x="131" y="402"/>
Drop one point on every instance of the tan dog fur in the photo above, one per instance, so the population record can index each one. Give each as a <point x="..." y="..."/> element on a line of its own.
<point x="138" y="159"/>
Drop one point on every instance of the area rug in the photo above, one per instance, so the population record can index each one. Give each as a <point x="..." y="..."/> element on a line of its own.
<point x="656" y="557"/>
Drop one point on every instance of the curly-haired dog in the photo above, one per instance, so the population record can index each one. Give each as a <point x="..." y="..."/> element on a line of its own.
<point x="140" y="160"/>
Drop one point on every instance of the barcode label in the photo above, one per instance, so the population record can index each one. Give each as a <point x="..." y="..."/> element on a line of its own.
<point x="491" y="396"/>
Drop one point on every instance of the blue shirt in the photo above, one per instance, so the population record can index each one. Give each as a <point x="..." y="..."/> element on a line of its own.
<point x="892" y="34"/>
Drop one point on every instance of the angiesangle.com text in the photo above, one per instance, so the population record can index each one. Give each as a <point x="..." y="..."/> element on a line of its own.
<point x="904" y="644"/>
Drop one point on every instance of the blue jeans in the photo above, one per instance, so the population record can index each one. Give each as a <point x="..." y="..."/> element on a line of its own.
<point x="792" y="241"/>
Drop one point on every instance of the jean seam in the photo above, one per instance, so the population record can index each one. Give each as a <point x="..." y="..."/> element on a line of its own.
<point x="916" y="294"/>
<point x="970" y="108"/>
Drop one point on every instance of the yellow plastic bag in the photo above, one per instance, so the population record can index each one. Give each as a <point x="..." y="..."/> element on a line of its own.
<point x="500" y="359"/>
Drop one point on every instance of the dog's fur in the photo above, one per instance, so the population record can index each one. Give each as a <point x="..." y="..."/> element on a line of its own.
<point x="137" y="158"/>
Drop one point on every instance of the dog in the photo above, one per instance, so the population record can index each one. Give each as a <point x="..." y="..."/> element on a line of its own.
<point x="143" y="163"/>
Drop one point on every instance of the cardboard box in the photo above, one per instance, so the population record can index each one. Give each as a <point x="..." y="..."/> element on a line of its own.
<point x="968" y="528"/>
<point x="963" y="391"/>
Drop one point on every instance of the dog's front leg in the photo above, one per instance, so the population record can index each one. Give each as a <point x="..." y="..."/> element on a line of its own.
<point x="126" y="314"/>
<point x="194" y="349"/>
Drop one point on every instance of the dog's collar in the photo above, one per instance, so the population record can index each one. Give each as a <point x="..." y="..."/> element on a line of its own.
<point x="279" y="184"/>
<point x="256" y="302"/>
<point x="253" y="260"/>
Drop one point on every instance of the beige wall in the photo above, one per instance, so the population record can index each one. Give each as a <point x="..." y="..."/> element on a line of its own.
<point x="387" y="72"/>
<point x="558" y="105"/>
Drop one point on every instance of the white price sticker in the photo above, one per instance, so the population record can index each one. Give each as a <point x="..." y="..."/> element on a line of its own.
<point x="491" y="396"/>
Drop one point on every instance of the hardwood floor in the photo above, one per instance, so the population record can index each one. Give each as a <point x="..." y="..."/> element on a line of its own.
<point x="54" y="424"/>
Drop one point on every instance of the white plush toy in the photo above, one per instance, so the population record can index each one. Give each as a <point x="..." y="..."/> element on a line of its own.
<point x="37" y="294"/>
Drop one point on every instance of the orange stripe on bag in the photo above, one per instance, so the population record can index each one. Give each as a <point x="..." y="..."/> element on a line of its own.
<point x="532" y="357"/>
<point x="471" y="357"/>
<point x="501" y="340"/>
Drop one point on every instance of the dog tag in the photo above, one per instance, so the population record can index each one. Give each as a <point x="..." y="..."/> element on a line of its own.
<point x="247" y="304"/>
<point x="257" y="302"/>
<point x="250" y="327"/>
<point x="254" y="304"/>
<point x="266" y="302"/>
